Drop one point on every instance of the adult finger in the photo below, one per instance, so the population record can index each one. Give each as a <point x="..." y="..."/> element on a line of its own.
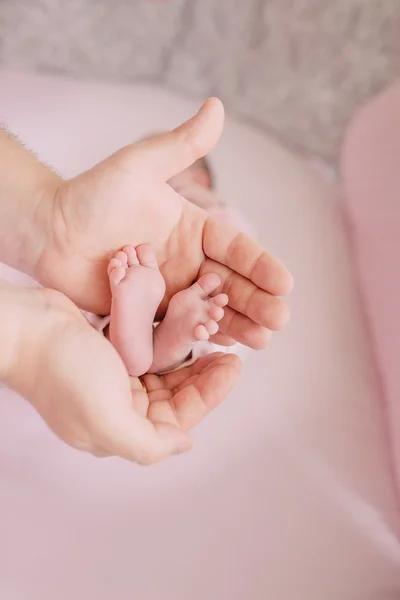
<point x="122" y="431"/>
<point x="222" y="339"/>
<point x="246" y="298"/>
<point x="244" y="330"/>
<point x="146" y="442"/>
<point x="227" y="245"/>
<point x="170" y="153"/>
<point x="200" y="388"/>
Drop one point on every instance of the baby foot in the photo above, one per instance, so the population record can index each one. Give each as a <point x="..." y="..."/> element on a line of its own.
<point x="137" y="288"/>
<point x="192" y="316"/>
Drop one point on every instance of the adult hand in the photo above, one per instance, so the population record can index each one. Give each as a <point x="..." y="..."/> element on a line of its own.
<point x="125" y="200"/>
<point x="77" y="382"/>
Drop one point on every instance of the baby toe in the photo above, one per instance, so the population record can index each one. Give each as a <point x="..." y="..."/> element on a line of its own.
<point x="201" y="333"/>
<point x="131" y="256"/>
<point x="206" y="285"/>
<point x="216" y="313"/>
<point x="122" y="256"/>
<point x="220" y="300"/>
<point x="116" y="276"/>
<point x="147" y="256"/>
<point x="114" y="263"/>
<point x="212" y="327"/>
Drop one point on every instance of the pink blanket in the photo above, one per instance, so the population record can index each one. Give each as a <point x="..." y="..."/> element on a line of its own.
<point x="371" y="167"/>
<point x="286" y="493"/>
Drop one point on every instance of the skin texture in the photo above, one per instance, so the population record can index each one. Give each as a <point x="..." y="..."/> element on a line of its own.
<point x="137" y="288"/>
<point x="77" y="382"/>
<point x="87" y="230"/>
<point x="64" y="233"/>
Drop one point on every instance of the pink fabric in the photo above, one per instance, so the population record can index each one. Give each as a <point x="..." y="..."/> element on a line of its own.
<point x="371" y="166"/>
<point x="287" y="492"/>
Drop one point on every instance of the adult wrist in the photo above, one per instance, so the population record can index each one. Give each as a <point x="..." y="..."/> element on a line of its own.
<point x="27" y="192"/>
<point x="15" y="308"/>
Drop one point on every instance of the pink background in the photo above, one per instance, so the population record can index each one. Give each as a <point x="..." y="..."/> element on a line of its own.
<point x="287" y="493"/>
<point x="371" y="162"/>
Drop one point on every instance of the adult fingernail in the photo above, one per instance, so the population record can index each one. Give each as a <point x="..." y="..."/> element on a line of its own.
<point x="183" y="447"/>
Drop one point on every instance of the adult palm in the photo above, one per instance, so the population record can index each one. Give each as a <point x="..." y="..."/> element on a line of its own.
<point x="78" y="383"/>
<point x="125" y="200"/>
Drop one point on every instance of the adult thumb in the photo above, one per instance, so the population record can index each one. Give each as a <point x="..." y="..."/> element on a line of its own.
<point x="170" y="153"/>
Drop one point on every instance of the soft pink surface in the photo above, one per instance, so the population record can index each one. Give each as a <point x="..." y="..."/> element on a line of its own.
<point x="371" y="164"/>
<point x="287" y="494"/>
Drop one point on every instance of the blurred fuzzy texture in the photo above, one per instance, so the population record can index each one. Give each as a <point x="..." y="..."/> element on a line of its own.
<point x="298" y="68"/>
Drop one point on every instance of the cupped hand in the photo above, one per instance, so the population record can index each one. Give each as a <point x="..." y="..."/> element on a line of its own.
<point x="77" y="382"/>
<point x="125" y="200"/>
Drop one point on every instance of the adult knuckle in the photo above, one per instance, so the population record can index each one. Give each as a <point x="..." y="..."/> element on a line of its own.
<point x="147" y="458"/>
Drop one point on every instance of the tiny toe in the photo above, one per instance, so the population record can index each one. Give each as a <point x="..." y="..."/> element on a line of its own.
<point x="212" y="327"/>
<point x="131" y="256"/>
<point x="220" y="300"/>
<point x="116" y="276"/>
<point x="113" y="264"/>
<point x="147" y="256"/>
<point x="201" y="333"/>
<point x="206" y="284"/>
<point x="216" y="313"/>
<point x="122" y="257"/>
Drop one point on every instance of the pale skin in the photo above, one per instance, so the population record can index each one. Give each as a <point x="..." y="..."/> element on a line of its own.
<point x="64" y="233"/>
<point x="137" y="288"/>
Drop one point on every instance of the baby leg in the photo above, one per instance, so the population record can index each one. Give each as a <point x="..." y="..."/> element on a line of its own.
<point x="137" y="288"/>
<point x="192" y="316"/>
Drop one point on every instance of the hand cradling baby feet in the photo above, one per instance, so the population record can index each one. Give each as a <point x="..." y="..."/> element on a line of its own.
<point x="137" y="288"/>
